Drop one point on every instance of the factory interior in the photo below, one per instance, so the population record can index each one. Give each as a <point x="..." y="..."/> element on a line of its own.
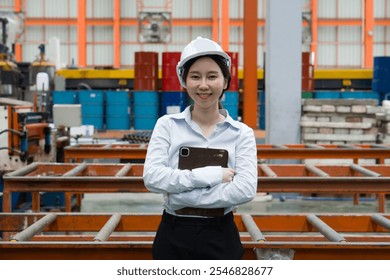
<point x="83" y="83"/>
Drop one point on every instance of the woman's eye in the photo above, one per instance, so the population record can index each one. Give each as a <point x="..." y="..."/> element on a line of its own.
<point x="194" y="77"/>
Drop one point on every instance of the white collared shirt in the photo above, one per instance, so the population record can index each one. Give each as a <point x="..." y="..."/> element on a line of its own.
<point x="201" y="187"/>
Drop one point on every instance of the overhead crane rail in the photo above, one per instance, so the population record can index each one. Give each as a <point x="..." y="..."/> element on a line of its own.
<point x="83" y="178"/>
<point x="130" y="236"/>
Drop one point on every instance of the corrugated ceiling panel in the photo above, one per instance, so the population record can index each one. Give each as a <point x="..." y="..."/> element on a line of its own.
<point x="100" y="55"/>
<point x="129" y="8"/>
<point x="350" y="34"/>
<point x="34" y="33"/>
<point x="327" y="8"/>
<point x="180" y="8"/>
<point x="57" y="9"/>
<point x="326" y="48"/>
<point x="198" y="9"/>
<point x="261" y="9"/>
<point x="6" y="5"/>
<point x="349" y="8"/>
<point x="234" y="34"/>
<point x="381" y="8"/>
<point x="51" y="9"/>
<point x="155" y="5"/>
<point x="326" y="56"/>
<point x="326" y="34"/>
<point x="128" y="33"/>
<point x="61" y="32"/>
<point x="381" y="48"/>
<point x="350" y="46"/>
<point x="34" y="8"/>
<point x="202" y="9"/>
<point x="127" y="55"/>
<point x="99" y="34"/>
<point x="379" y="34"/>
<point x="100" y="8"/>
<point x="236" y="9"/>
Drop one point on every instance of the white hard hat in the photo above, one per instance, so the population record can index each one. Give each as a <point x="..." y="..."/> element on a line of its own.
<point x="199" y="47"/>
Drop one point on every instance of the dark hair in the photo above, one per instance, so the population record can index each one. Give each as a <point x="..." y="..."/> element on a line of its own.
<point x="219" y="60"/>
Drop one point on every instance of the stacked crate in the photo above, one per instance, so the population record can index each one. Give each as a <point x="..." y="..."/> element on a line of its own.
<point x="383" y="117"/>
<point x="339" y="121"/>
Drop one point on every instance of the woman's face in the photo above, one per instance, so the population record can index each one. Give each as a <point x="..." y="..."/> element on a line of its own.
<point x="205" y="82"/>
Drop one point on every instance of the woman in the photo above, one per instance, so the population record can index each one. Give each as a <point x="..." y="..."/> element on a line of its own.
<point x="197" y="221"/>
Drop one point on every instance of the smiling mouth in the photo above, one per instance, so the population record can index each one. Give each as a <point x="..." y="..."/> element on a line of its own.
<point x="204" y="95"/>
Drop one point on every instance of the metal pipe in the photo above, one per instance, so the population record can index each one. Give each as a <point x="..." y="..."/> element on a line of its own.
<point x="108" y="228"/>
<point x="316" y="171"/>
<point x="380" y="146"/>
<point x="24" y="170"/>
<point x="344" y="146"/>
<point x="252" y="228"/>
<point x="382" y="221"/>
<point x="278" y="146"/>
<point x="364" y="171"/>
<point x="35" y="228"/>
<point x="325" y="230"/>
<point x="75" y="171"/>
<point x="314" y="146"/>
<point x="124" y="170"/>
<point x="268" y="171"/>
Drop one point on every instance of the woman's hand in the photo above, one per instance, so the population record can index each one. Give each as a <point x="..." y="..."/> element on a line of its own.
<point x="227" y="175"/>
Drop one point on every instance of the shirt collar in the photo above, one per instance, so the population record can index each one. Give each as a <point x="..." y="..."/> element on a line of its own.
<point x="186" y="115"/>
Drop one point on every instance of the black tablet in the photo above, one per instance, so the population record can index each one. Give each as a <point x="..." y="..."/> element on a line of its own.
<point x="195" y="157"/>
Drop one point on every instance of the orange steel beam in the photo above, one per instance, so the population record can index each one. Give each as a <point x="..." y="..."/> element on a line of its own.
<point x="17" y="6"/>
<point x="82" y="33"/>
<point x="18" y="52"/>
<point x="142" y="250"/>
<point x="273" y="223"/>
<point x="134" y="22"/>
<point x="250" y="64"/>
<point x="225" y="25"/>
<point x="117" y="34"/>
<point x="264" y="151"/>
<point x="79" y="152"/>
<point x="106" y="178"/>
<point x="215" y="21"/>
<point x="368" y="33"/>
<point x="382" y="22"/>
<point x="314" y="29"/>
<point x="18" y="46"/>
<point x="50" y="21"/>
<point x="364" y="237"/>
<point x="339" y="22"/>
<point x="128" y="22"/>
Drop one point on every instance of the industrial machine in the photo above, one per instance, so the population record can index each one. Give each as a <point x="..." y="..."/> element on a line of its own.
<point x="10" y="75"/>
<point x="43" y="65"/>
<point x="25" y="137"/>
